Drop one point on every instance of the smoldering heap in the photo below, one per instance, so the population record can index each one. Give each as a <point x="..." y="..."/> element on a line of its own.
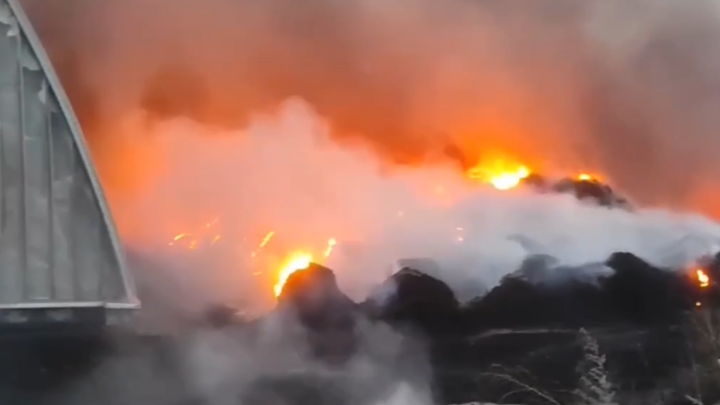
<point x="584" y="188"/>
<point x="529" y="321"/>
<point x="546" y="313"/>
<point x="635" y="292"/>
<point x="326" y="313"/>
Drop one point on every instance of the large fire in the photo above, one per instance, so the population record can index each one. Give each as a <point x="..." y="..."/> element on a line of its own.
<point x="279" y="261"/>
<point x="506" y="174"/>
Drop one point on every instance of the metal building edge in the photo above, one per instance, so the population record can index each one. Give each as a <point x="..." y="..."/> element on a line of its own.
<point x="128" y="282"/>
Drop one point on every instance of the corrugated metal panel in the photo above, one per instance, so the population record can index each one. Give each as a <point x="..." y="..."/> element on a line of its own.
<point x="58" y="244"/>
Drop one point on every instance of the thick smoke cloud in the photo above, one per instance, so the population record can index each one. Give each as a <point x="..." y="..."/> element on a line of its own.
<point x="285" y="173"/>
<point x="166" y="91"/>
<point x="184" y="104"/>
<point x="628" y="89"/>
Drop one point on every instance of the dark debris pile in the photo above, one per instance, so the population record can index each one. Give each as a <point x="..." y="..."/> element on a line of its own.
<point x="585" y="189"/>
<point x="636" y="299"/>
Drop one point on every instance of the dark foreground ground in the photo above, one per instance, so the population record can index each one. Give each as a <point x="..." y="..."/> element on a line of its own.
<point x="648" y="363"/>
<point x="524" y="342"/>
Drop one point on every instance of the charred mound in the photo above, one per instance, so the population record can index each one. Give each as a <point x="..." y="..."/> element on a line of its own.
<point x="411" y="297"/>
<point x="326" y="313"/>
<point x="591" y="190"/>
<point x="314" y="294"/>
<point x="530" y="321"/>
<point x="632" y="292"/>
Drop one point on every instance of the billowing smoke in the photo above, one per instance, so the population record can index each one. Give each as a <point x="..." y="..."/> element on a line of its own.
<point x="628" y="89"/>
<point x="351" y="120"/>
<point x="185" y="107"/>
<point x="285" y="174"/>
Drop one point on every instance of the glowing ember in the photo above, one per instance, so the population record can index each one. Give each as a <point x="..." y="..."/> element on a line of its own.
<point x="328" y="250"/>
<point x="297" y="261"/>
<point x="584" y="176"/>
<point x="194" y="239"/>
<point x="266" y="239"/>
<point x="501" y="175"/>
<point x="703" y="278"/>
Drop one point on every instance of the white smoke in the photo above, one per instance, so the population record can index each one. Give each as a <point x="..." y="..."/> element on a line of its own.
<point x="262" y="363"/>
<point x="284" y="174"/>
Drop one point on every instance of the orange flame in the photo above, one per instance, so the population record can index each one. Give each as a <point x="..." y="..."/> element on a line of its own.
<point x="330" y="246"/>
<point x="501" y="174"/>
<point x="584" y="176"/>
<point x="703" y="278"/>
<point x="298" y="260"/>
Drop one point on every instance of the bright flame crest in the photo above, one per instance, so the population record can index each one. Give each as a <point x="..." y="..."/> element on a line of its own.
<point x="703" y="278"/>
<point x="501" y="174"/>
<point x="298" y="261"/>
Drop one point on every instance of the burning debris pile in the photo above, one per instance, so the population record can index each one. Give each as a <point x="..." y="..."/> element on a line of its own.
<point x="632" y="292"/>
<point x="328" y="316"/>
<point x="585" y="187"/>
<point x="413" y="296"/>
<point x="292" y="266"/>
<point x="175" y="99"/>
<point x="271" y="257"/>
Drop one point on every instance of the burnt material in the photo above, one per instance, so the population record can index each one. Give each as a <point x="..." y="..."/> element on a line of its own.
<point x="643" y="293"/>
<point x="410" y="297"/>
<point x="530" y="321"/>
<point x="326" y="313"/>
<point x="591" y="190"/>
<point x="637" y="312"/>
<point x="635" y="292"/>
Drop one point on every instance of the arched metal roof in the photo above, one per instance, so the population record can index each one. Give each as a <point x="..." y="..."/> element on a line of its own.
<point x="58" y="244"/>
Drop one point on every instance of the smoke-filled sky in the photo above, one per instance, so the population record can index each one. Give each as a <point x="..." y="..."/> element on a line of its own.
<point x="284" y="173"/>
<point x="185" y="106"/>
<point x="351" y="119"/>
<point x="629" y="88"/>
